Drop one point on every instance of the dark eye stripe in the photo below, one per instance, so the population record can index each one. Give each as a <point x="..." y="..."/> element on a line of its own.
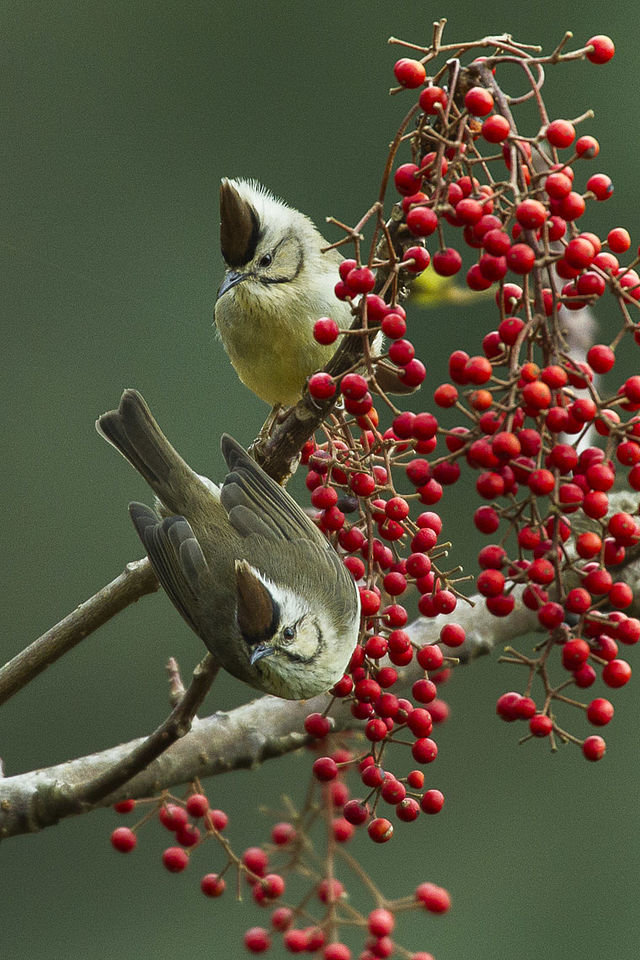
<point x="299" y="265"/>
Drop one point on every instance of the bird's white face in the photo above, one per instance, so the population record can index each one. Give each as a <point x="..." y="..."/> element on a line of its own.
<point x="266" y="242"/>
<point x="307" y="653"/>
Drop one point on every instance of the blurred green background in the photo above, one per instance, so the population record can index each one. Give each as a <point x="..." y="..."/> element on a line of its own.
<point x="118" y="121"/>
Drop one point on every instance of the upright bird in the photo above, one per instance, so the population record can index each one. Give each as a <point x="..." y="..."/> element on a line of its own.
<point x="247" y="569"/>
<point x="277" y="284"/>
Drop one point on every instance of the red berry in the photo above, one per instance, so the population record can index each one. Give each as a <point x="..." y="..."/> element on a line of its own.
<point x="172" y="816"/>
<point x="197" y="805"/>
<point x="268" y="888"/>
<point x="175" y="859"/>
<point x="521" y="258"/>
<point x="587" y="147"/>
<point x="256" y="860"/>
<point x="325" y="769"/>
<point x="430" y="97"/>
<point x="380" y="922"/>
<point x="283" y="833"/>
<point x="336" y="951"/>
<point x="600" y="186"/>
<point x="355" y="812"/>
<point x="213" y="885"/>
<point x="479" y="101"/>
<point x="361" y="279"/>
<point x="584" y="676"/>
<point x="478" y="370"/>
<point x="560" y="133"/>
<point x="422" y="221"/>
<point x="619" y="240"/>
<point x="557" y="185"/>
<point x="599" y="712"/>
<point x="407" y="179"/>
<point x="486" y="519"/>
<point x="628" y="630"/>
<point x="541" y="482"/>
<point x="317" y="725"/>
<point x="325" y="330"/>
<point x="380" y="830"/>
<point x="433" y="898"/>
<point x="531" y="214"/>
<point x="447" y="262"/>
<point x="419" y="722"/>
<point x="401" y="352"/>
<point x="540" y="725"/>
<point x="257" y="940"/>
<point x="507" y="706"/>
<point x="623" y="528"/>
<point x="217" y="819"/>
<point x="413" y="374"/>
<point x="123" y="839"/>
<point x="601" y="358"/>
<point x="620" y="594"/>
<point x="424" y="750"/>
<point x="416" y="259"/>
<point x="598" y="581"/>
<point x="354" y="386"/>
<point x="330" y="890"/>
<point x="491" y="583"/>
<point x="575" y="653"/>
<point x="495" y="129"/>
<point x="446" y="395"/>
<point x="616" y="673"/>
<point x="424" y="691"/>
<point x="321" y="386"/>
<point x="550" y="615"/>
<point x="579" y="252"/>
<point x="432" y="801"/>
<point x="369" y="602"/>
<point x="409" y="73"/>
<point x="594" y="748"/>
<point x="572" y="206"/>
<point x="188" y="836"/>
<point x="452" y="635"/>
<point x="603" y="49"/>
<point x="124" y="806"/>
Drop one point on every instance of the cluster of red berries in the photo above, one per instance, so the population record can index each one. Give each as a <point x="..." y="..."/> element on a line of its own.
<point x="312" y="927"/>
<point x="180" y="817"/>
<point x="530" y="411"/>
<point x="531" y="415"/>
<point x="351" y="485"/>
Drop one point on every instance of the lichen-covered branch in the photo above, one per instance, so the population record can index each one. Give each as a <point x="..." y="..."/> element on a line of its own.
<point x="239" y="739"/>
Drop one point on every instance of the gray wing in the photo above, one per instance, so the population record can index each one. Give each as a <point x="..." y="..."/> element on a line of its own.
<point x="256" y="504"/>
<point x="175" y="554"/>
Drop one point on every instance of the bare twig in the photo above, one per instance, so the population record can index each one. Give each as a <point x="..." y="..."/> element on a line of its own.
<point x="177" y="725"/>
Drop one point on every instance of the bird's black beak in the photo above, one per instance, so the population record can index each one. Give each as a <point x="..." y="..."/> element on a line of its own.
<point x="231" y="279"/>
<point x="259" y="651"/>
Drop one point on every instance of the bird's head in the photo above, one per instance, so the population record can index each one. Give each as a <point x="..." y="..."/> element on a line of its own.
<point x="265" y="243"/>
<point x="298" y="643"/>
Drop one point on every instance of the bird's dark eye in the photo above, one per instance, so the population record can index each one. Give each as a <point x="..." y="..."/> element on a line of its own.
<point x="288" y="633"/>
<point x="266" y="260"/>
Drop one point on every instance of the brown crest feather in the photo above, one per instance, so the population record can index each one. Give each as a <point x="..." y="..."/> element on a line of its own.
<point x="239" y="230"/>
<point x="257" y="615"/>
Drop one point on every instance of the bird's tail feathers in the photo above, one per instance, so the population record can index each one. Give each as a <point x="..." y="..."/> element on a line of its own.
<point x="133" y="431"/>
